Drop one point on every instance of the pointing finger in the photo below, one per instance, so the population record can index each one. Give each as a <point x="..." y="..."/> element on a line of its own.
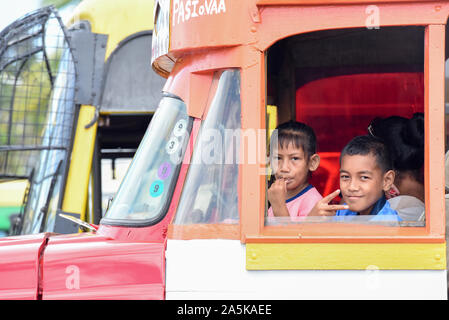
<point x="331" y="196"/>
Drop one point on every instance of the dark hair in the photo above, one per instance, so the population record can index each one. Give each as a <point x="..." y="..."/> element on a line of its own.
<point x="364" y="145"/>
<point x="298" y="133"/>
<point x="405" y="140"/>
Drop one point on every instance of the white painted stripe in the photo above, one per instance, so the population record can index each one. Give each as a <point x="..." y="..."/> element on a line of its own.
<point x="215" y="269"/>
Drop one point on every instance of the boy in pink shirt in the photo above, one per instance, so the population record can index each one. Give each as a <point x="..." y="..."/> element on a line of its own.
<point x="293" y="158"/>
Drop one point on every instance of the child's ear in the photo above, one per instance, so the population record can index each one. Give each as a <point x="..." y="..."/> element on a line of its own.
<point x="388" y="180"/>
<point x="314" y="162"/>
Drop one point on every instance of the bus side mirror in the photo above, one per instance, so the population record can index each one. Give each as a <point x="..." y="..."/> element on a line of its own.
<point x="89" y="55"/>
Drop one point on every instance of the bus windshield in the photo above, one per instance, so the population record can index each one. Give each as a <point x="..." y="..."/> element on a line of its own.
<point x="38" y="75"/>
<point x="145" y="193"/>
<point x="45" y="191"/>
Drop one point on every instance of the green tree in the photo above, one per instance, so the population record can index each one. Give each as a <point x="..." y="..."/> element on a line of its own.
<point x="59" y="3"/>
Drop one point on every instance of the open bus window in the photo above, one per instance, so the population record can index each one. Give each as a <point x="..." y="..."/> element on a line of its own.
<point x="338" y="82"/>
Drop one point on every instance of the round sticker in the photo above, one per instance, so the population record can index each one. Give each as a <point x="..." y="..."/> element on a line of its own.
<point x="164" y="170"/>
<point x="156" y="188"/>
<point x="172" y="145"/>
<point x="180" y="128"/>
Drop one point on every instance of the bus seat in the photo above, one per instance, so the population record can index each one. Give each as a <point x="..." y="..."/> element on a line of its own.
<point x="326" y="178"/>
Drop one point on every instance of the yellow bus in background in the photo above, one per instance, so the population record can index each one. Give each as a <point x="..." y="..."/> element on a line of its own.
<point x="76" y="98"/>
<point x="11" y="199"/>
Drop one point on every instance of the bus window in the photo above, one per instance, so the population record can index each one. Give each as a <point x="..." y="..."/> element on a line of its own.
<point x="145" y="193"/>
<point x="118" y="137"/>
<point x="341" y="80"/>
<point x="210" y="192"/>
<point x="113" y="172"/>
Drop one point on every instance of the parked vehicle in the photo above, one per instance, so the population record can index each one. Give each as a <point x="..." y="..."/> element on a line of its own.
<point x="189" y="220"/>
<point x="11" y="201"/>
<point x="89" y="93"/>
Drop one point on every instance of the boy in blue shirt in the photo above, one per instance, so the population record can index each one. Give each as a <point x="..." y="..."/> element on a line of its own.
<point x="365" y="175"/>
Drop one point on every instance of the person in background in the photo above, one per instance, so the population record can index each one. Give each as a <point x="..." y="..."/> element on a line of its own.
<point x="405" y="140"/>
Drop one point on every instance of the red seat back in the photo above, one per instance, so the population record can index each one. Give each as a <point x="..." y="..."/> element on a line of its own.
<point x="339" y="108"/>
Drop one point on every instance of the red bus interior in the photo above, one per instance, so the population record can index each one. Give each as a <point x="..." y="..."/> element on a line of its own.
<point x="337" y="114"/>
<point x="338" y="81"/>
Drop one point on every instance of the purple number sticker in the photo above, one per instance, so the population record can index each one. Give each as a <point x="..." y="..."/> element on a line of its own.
<point x="164" y="170"/>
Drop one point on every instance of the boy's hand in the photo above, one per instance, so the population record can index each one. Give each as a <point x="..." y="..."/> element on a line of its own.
<point x="277" y="193"/>
<point x="323" y="208"/>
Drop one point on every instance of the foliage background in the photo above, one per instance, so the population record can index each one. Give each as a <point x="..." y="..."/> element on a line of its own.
<point x="25" y="91"/>
<point x="59" y="3"/>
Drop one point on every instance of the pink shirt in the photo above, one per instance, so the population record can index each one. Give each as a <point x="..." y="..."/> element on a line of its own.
<point x="301" y="204"/>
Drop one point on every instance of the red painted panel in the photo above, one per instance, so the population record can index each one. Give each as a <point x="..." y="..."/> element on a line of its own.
<point x="116" y="263"/>
<point x="158" y="232"/>
<point x="87" y="266"/>
<point x="19" y="262"/>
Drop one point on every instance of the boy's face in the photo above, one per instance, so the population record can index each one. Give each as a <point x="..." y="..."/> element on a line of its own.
<point x="292" y="165"/>
<point x="363" y="182"/>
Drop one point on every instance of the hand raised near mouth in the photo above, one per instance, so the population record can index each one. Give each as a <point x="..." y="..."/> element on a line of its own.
<point x="277" y="195"/>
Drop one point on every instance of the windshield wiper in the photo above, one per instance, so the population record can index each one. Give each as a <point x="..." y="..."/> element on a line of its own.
<point x="83" y="225"/>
